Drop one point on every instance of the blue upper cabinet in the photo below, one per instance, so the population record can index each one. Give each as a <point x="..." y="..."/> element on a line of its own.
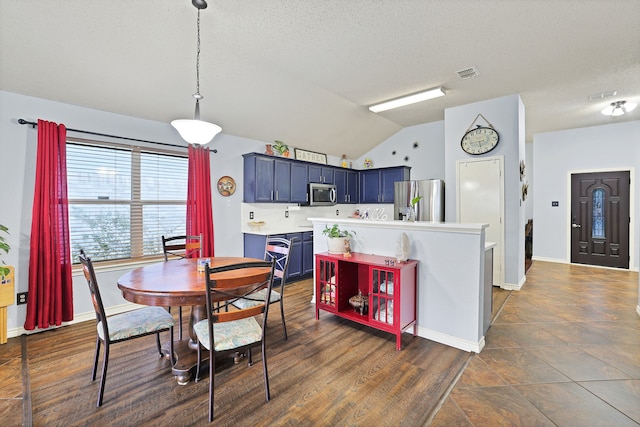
<point x="269" y="179"/>
<point x="376" y="185"/>
<point x="282" y="181"/>
<point x="321" y="174"/>
<point x="258" y="179"/>
<point x="299" y="174"/>
<point x="346" y="181"/>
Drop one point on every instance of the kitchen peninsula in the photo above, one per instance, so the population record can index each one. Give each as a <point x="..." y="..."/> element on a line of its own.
<point x="452" y="288"/>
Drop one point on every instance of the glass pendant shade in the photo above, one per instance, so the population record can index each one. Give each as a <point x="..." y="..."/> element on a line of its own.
<point x="196" y="132"/>
<point x="619" y="108"/>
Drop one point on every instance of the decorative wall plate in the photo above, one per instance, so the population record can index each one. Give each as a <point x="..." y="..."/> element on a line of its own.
<point x="226" y="186"/>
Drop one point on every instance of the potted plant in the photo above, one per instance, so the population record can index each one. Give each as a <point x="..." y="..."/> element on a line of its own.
<point x="414" y="208"/>
<point x="4" y="247"/>
<point x="281" y="148"/>
<point x="336" y="238"/>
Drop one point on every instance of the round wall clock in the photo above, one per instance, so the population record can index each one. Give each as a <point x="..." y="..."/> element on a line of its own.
<point x="226" y="186"/>
<point x="480" y="140"/>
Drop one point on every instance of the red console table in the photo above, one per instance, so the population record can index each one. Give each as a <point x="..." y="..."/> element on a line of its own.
<point x="387" y="285"/>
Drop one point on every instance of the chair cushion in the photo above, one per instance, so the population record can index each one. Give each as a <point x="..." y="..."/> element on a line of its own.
<point x="229" y="335"/>
<point x="259" y="296"/>
<point x="137" y="322"/>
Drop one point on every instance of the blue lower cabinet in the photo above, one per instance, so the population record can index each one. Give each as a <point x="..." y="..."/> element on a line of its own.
<point x="299" y="267"/>
<point x="307" y="253"/>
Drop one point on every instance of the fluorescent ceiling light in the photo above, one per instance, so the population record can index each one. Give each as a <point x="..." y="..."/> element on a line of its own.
<point x="407" y="100"/>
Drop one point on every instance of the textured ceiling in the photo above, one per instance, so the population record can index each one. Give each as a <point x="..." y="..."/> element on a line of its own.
<point x="305" y="71"/>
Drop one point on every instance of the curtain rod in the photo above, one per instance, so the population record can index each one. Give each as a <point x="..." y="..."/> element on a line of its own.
<point x="24" y="122"/>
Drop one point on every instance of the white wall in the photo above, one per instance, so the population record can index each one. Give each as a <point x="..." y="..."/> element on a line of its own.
<point x="557" y="155"/>
<point x="426" y="160"/>
<point x="506" y="114"/>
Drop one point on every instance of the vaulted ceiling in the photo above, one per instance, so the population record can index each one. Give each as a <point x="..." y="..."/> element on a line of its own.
<point x="305" y="71"/>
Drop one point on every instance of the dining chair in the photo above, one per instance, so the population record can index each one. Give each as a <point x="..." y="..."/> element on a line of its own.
<point x="179" y="247"/>
<point x="228" y="332"/>
<point x="276" y="249"/>
<point x="123" y="327"/>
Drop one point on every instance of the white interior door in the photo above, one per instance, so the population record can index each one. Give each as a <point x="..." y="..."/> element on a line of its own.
<point x="480" y="199"/>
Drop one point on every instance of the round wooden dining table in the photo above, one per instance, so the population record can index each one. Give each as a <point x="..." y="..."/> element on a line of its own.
<point x="179" y="283"/>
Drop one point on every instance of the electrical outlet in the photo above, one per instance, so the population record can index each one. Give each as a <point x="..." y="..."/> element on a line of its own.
<point x="286" y="214"/>
<point x="250" y="215"/>
<point x="337" y="212"/>
<point x="22" y="298"/>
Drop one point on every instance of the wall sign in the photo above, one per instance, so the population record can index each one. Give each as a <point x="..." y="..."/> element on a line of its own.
<point x="310" y="156"/>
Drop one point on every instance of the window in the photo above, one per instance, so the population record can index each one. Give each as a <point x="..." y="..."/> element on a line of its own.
<point x="122" y="199"/>
<point x="597" y="230"/>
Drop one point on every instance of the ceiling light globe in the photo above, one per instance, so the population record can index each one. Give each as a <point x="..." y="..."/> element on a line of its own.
<point x="607" y="111"/>
<point x="617" y="111"/>
<point x="196" y="132"/>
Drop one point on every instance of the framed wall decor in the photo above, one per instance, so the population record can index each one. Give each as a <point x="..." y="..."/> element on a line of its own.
<point x="310" y="156"/>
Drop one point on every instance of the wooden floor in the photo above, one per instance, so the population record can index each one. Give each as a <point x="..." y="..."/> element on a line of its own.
<point x="565" y="350"/>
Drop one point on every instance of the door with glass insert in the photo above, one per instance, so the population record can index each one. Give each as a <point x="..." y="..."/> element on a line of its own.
<point x="600" y="218"/>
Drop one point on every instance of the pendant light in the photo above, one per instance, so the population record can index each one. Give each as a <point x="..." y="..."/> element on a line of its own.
<point x="196" y="131"/>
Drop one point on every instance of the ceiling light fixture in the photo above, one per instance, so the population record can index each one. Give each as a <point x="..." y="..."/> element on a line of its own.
<point x="618" y="108"/>
<point x="407" y="100"/>
<point x="196" y="131"/>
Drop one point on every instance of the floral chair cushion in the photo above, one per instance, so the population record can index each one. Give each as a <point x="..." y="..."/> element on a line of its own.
<point x="137" y="322"/>
<point x="257" y="299"/>
<point x="229" y="335"/>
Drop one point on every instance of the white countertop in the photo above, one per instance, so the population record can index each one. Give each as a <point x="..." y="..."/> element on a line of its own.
<point x="406" y="225"/>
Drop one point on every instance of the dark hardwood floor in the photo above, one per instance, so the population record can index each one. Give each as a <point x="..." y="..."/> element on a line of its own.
<point x="329" y="372"/>
<point x="565" y="350"/>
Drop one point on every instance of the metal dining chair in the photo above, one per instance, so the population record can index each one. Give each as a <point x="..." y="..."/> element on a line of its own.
<point x="179" y="247"/>
<point x="276" y="249"/>
<point x="227" y="332"/>
<point x="123" y="327"/>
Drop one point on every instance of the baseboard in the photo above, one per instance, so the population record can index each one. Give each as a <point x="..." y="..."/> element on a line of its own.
<point x="451" y="341"/>
<point x="77" y="318"/>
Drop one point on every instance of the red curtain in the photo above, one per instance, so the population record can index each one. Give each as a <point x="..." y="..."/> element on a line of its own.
<point x="199" y="211"/>
<point x="50" y="298"/>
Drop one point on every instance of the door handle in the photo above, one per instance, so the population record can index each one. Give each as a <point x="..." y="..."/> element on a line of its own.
<point x="576" y="226"/>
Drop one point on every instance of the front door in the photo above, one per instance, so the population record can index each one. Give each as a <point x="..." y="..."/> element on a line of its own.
<point x="600" y="218"/>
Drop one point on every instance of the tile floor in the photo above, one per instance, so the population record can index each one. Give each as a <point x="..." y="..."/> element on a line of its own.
<point x="564" y="351"/>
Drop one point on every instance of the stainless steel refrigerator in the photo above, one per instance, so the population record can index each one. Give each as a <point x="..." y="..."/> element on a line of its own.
<point x="429" y="208"/>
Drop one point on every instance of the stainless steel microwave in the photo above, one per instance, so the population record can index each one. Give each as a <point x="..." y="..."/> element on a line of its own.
<point x="321" y="194"/>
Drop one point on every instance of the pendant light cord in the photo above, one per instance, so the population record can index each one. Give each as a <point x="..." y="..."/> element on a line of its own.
<point x="197" y="94"/>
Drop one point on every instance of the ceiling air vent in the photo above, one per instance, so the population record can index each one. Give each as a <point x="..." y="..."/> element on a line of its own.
<point x="603" y="95"/>
<point x="468" y="73"/>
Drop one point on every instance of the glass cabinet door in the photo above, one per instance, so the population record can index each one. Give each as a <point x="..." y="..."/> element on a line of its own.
<point x="327" y="282"/>
<point x="382" y="283"/>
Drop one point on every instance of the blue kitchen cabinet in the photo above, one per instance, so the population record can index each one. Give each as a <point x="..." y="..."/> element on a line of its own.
<point x="299" y="180"/>
<point x="268" y="179"/>
<point x="281" y="181"/>
<point x="294" y="271"/>
<point x="346" y="182"/>
<point x="376" y="185"/>
<point x="321" y="174"/>
<point x="307" y="253"/>
<point x="258" y="179"/>
<point x="254" y="245"/>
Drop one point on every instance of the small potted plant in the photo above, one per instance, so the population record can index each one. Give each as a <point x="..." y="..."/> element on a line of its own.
<point x="336" y="238"/>
<point x="281" y="148"/>
<point x="4" y="247"/>
<point x="414" y="208"/>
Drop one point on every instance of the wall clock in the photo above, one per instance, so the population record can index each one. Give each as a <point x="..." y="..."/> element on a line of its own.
<point x="480" y="140"/>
